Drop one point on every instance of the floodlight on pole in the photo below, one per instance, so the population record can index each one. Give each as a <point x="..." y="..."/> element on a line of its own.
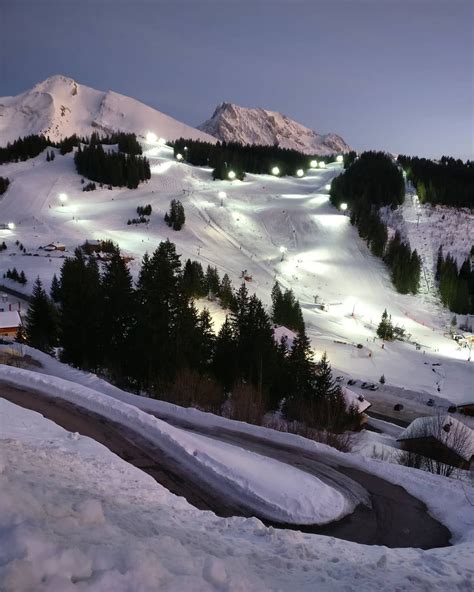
<point x="161" y="141"/>
<point x="62" y="197"/>
<point x="300" y="173"/>
<point x="327" y="186"/>
<point x="339" y="158"/>
<point x="179" y="156"/>
<point x="343" y="207"/>
<point x="282" y="251"/>
<point x="222" y="195"/>
<point x="322" y="164"/>
<point x="231" y="175"/>
<point x="11" y="226"/>
<point x="313" y="164"/>
<point x="275" y="171"/>
<point x="151" y="137"/>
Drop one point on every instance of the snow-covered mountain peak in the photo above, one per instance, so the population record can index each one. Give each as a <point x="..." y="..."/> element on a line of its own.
<point x="57" y="84"/>
<point x="59" y="107"/>
<point x="231" y="122"/>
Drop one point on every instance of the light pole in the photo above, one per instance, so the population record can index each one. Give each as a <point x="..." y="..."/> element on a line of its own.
<point x="313" y="164"/>
<point x="275" y="171"/>
<point x="222" y="195"/>
<point x="179" y="156"/>
<point x="343" y="207"/>
<point x="63" y="198"/>
<point x="283" y="251"/>
<point x="300" y="173"/>
<point x="151" y="138"/>
<point x="231" y="175"/>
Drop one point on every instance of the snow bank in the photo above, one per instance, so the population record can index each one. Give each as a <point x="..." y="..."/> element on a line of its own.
<point x="74" y="517"/>
<point x="272" y="489"/>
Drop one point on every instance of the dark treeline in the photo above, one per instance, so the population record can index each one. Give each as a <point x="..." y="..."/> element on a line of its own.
<point x="456" y="286"/>
<point x="224" y="157"/>
<point x="24" y="148"/>
<point x="404" y="264"/>
<point x="150" y="337"/>
<point x="112" y="168"/>
<point x="31" y="146"/>
<point x="448" y="182"/>
<point x="369" y="182"/>
<point x="175" y="218"/>
<point x="286" y="309"/>
<point x="4" y="183"/>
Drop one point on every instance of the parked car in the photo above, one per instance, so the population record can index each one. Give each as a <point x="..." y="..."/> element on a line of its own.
<point x="351" y="381"/>
<point x="339" y="378"/>
<point x="373" y="387"/>
<point x="365" y="385"/>
<point x="430" y="403"/>
<point x="398" y="407"/>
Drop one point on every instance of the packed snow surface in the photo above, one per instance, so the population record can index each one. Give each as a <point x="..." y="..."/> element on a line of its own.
<point x="231" y="123"/>
<point x="342" y="288"/>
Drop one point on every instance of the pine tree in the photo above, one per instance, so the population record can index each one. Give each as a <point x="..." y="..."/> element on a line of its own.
<point x="224" y="362"/>
<point x="118" y="316"/>
<point x="41" y="326"/>
<point x="55" y="291"/>
<point x="82" y="309"/>
<point x="303" y="369"/>
<point x="385" y="328"/>
<point x="226" y="293"/>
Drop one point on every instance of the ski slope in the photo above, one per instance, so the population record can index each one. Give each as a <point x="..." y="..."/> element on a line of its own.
<point x="324" y="256"/>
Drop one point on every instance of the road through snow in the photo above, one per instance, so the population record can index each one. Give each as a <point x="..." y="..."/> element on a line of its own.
<point x="396" y="519"/>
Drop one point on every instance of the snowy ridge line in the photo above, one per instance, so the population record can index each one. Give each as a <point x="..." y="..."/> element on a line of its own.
<point x="272" y="489"/>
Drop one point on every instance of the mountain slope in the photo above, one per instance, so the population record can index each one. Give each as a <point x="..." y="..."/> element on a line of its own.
<point x="259" y="126"/>
<point x="60" y="107"/>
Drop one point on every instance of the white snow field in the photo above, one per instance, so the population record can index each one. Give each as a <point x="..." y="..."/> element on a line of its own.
<point x="272" y="489"/>
<point x="324" y="257"/>
<point x="73" y="516"/>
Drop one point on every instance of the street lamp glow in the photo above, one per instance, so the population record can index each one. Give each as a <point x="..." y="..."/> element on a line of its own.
<point x="322" y="164"/>
<point x="327" y="186"/>
<point x="275" y="170"/>
<point x="300" y="173"/>
<point x="231" y="175"/>
<point x="313" y="164"/>
<point x="11" y="226"/>
<point x="222" y="195"/>
<point x="62" y="197"/>
<point x="179" y="156"/>
<point x="343" y="207"/>
<point x="283" y="251"/>
<point x="339" y="158"/>
<point x="151" y="137"/>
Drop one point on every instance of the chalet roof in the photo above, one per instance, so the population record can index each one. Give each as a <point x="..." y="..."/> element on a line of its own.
<point x="355" y="400"/>
<point x="9" y="319"/>
<point x="452" y="433"/>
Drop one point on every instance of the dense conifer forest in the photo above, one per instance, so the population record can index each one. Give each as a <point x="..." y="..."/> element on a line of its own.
<point x="150" y="337"/>
<point x="110" y="167"/>
<point x="456" y="285"/>
<point x="370" y="181"/>
<point x="449" y="182"/>
<point x="224" y="157"/>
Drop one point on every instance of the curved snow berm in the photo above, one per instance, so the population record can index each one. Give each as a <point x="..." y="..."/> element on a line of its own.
<point x="272" y="489"/>
<point x="59" y="107"/>
<point x="231" y="123"/>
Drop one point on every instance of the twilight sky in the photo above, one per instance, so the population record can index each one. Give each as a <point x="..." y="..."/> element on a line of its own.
<point x="386" y="74"/>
